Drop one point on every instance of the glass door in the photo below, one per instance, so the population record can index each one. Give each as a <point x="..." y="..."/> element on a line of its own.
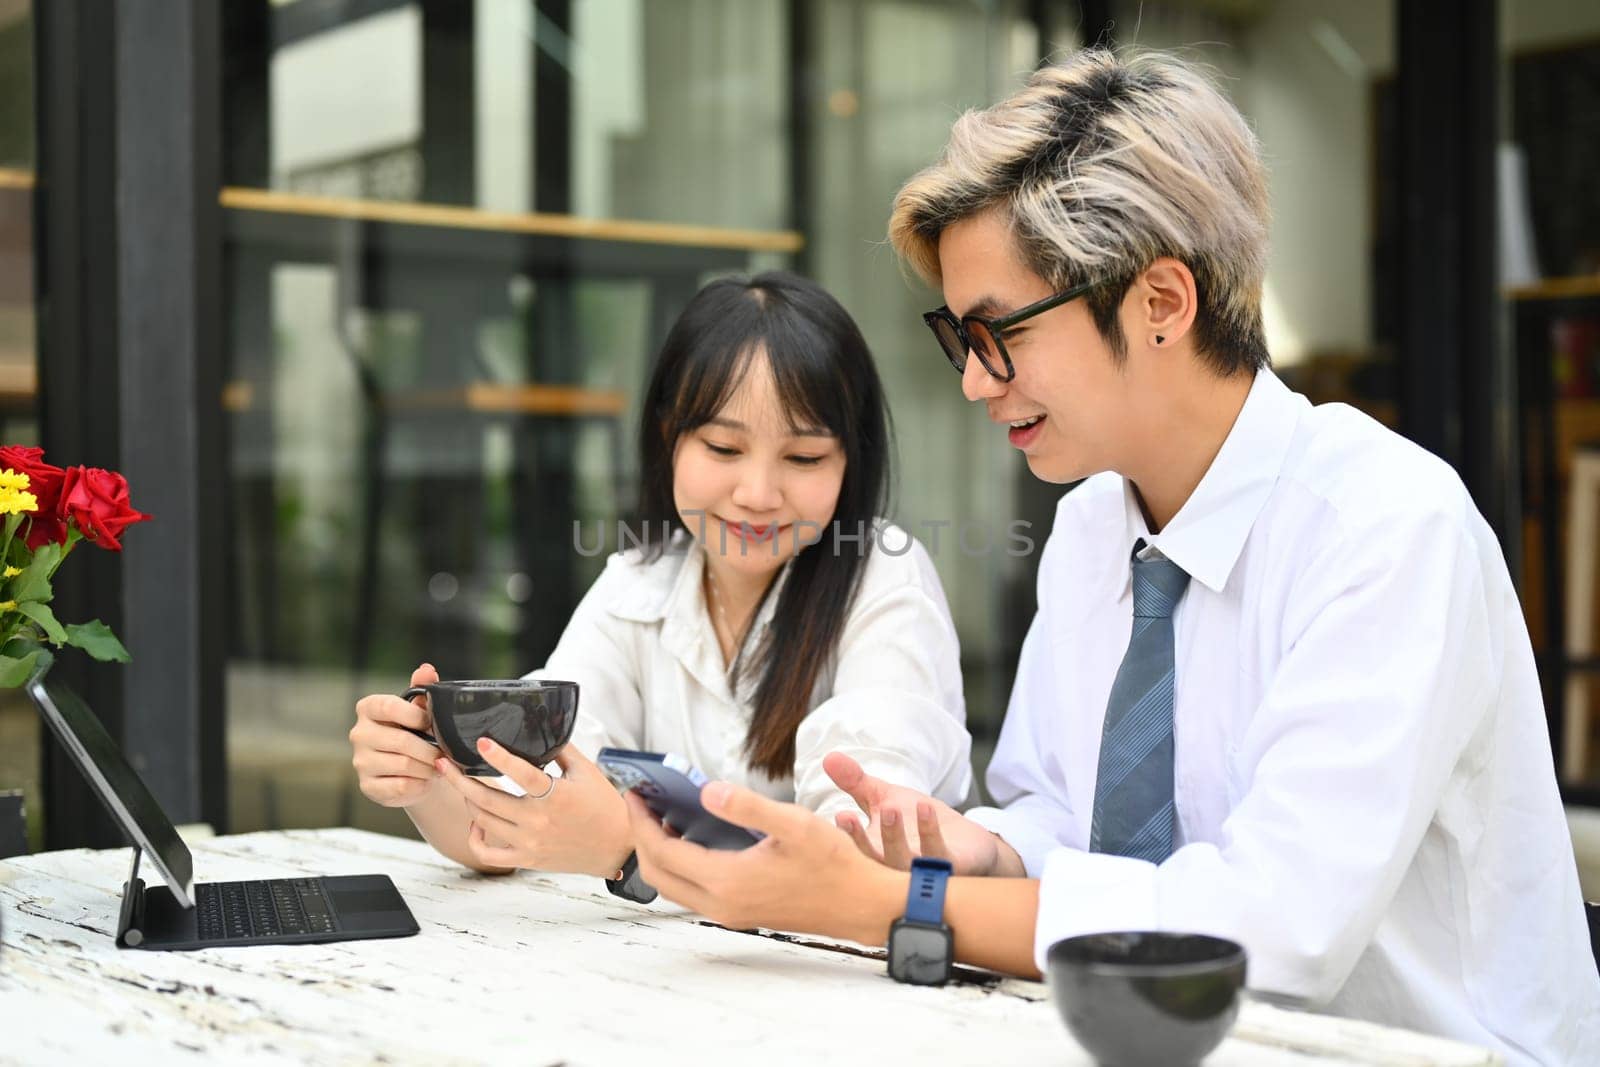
<point x="19" y="424"/>
<point x="455" y="233"/>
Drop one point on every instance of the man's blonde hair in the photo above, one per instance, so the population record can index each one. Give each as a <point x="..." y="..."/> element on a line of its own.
<point x="1102" y="164"/>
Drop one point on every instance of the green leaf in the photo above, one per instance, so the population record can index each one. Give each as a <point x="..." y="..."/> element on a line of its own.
<point x="14" y="671"/>
<point x="34" y="581"/>
<point x="41" y="614"/>
<point x="96" y="638"/>
<point x="12" y="522"/>
<point x="20" y="646"/>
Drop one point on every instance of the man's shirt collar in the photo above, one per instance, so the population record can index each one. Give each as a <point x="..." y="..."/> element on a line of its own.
<point x="1208" y="533"/>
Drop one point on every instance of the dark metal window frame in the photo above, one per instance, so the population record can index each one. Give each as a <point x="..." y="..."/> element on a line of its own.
<point x="129" y="339"/>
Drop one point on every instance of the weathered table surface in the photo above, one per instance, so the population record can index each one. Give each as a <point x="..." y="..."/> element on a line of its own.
<point x="527" y="969"/>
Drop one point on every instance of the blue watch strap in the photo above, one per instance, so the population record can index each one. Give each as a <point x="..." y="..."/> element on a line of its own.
<point x="925" y="898"/>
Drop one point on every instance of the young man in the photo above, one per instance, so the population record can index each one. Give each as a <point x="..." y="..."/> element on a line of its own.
<point x="1278" y="688"/>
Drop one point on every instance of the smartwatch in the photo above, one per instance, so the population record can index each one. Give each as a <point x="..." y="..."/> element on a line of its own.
<point x="630" y="886"/>
<point x="920" y="944"/>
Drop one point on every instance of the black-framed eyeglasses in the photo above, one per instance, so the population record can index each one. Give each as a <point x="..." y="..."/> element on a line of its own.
<point x="974" y="333"/>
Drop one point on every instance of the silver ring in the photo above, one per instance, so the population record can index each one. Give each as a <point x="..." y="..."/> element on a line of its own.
<point x="547" y="791"/>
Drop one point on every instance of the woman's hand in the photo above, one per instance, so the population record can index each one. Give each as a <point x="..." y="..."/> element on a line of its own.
<point x="803" y="876"/>
<point x="903" y="824"/>
<point x="576" y="823"/>
<point x="394" y="766"/>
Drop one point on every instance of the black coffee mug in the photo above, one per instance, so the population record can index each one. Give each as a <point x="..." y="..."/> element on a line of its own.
<point x="529" y="719"/>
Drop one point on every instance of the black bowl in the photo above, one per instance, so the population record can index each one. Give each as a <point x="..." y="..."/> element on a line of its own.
<point x="1136" y="999"/>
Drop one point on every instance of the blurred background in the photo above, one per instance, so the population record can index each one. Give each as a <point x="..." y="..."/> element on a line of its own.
<point x="361" y="296"/>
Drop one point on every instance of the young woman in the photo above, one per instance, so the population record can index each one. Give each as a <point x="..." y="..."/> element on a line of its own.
<point x="771" y="616"/>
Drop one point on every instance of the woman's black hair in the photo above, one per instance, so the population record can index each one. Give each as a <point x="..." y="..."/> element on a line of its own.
<point x="824" y="377"/>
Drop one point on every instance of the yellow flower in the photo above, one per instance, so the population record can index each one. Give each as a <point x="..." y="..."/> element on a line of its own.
<point x="12" y="572"/>
<point x="8" y="605"/>
<point x="13" y="499"/>
<point x="15" y="503"/>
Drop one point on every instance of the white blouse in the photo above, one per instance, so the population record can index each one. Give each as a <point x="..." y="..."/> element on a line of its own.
<point x="651" y="676"/>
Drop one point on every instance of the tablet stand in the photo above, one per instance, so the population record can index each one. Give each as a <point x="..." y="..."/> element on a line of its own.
<point x="129" y="934"/>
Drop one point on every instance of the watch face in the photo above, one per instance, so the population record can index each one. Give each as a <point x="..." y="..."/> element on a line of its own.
<point x="919" y="954"/>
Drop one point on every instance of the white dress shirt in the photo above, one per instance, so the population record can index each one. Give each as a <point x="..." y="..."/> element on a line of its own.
<point x="651" y="676"/>
<point x="1363" y="778"/>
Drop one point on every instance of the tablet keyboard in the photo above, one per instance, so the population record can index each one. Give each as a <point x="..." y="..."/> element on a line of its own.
<point x="260" y="910"/>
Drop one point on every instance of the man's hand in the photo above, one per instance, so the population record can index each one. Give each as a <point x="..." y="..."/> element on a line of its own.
<point x="803" y="876"/>
<point x="575" y="823"/>
<point x="903" y="824"/>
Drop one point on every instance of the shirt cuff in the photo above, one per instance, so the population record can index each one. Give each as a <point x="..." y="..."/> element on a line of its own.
<point x="1031" y="842"/>
<point x="1092" y="893"/>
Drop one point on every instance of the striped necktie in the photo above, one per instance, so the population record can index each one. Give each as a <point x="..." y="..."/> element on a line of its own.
<point x="1133" y="805"/>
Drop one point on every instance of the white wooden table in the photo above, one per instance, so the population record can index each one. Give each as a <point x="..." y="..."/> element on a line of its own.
<point x="529" y="969"/>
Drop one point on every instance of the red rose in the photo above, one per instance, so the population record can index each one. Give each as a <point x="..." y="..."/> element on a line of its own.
<point x="44" y="482"/>
<point x="96" y="502"/>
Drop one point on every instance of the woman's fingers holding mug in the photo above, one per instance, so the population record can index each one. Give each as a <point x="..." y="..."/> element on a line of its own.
<point x="479" y="794"/>
<point x="375" y="736"/>
<point x="574" y="764"/>
<point x="392" y="711"/>
<point x="411" y="711"/>
<point x="533" y="781"/>
<point x="390" y="779"/>
<point x="372" y="763"/>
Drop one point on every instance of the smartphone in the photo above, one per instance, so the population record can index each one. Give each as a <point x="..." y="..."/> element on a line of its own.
<point x="670" y="787"/>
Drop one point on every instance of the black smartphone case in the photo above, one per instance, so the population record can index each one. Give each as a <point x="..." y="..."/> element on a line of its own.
<point x="674" y="796"/>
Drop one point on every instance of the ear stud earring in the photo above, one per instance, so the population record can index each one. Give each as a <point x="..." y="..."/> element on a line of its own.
<point x="1160" y="340"/>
